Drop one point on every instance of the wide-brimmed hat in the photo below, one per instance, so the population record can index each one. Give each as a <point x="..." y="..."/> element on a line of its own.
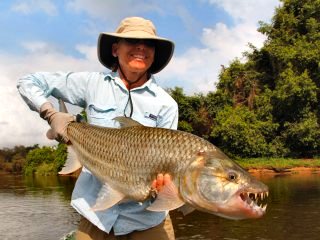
<point x="138" y="28"/>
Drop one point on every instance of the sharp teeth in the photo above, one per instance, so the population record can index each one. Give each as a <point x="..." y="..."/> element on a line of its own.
<point x="264" y="208"/>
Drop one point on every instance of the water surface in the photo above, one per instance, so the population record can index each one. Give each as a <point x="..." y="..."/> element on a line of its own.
<point x="35" y="208"/>
<point x="293" y="213"/>
<point x="38" y="208"/>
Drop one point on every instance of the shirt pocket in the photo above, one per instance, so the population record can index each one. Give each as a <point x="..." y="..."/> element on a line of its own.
<point x="149" y="119"/>
<point x="102" y="115"/>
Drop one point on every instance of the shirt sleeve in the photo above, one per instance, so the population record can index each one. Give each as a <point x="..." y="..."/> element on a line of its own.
<point x="69" y="86"/>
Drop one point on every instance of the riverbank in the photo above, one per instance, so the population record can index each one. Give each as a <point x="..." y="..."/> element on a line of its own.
<point x="272" y="172"/>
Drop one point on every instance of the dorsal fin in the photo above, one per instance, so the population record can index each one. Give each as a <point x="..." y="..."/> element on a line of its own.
<point x="63" y="108"/>
<point x="127" y="122"/>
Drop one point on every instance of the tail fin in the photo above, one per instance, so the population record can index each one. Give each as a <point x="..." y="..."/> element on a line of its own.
<point x="63" y="108"/>
<point x="72" y="163"/>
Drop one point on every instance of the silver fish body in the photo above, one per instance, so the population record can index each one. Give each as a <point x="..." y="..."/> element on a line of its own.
<point x="128" y="159"/>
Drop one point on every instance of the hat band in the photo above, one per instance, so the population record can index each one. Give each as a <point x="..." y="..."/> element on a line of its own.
<point x="137" y="29"/>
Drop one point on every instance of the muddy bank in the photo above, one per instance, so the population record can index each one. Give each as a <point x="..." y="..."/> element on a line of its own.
<point x="298" y="171"/>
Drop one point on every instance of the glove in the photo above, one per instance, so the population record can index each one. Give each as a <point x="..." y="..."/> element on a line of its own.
<point x="58" y="122"/>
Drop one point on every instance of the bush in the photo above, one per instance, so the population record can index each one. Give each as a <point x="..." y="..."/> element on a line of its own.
<point x="45" y="160"/>
<point x="238" y="132"/>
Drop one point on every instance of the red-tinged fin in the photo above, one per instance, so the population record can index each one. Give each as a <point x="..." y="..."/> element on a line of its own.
<point x="72" y="163"/>
<point x="107" y="197"/>
<point x="167" y="199"/>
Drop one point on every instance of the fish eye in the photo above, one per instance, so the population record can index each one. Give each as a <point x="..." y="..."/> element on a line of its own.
<point x="232" y="176"/>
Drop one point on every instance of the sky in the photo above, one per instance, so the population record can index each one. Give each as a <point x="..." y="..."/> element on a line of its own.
<point x="61" y="35"/>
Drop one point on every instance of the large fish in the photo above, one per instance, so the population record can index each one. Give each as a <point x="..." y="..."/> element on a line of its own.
<point x="128" y="159"/>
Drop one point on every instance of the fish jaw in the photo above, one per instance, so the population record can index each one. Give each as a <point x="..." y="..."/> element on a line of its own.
<point x="221" y="187"/>
<point x="243" y="205"/>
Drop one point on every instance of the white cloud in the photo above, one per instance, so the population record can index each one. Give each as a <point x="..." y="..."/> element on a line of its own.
<point x="31" y="6"/>
<point x="19" y="125"/>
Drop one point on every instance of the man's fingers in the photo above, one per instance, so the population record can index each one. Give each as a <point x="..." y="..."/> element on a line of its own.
<point x="159" y="180"/>
<point x="154" y="184"/>
<point x="166" y="179"/>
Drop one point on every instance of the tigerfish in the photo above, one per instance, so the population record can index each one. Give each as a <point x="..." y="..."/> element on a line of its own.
<point x="129" y="158"/>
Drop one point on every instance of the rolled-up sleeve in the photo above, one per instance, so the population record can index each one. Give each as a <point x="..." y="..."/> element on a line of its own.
<point x="69" y="86"/>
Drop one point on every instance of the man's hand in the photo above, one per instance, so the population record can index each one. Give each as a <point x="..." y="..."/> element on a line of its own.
<point x="58" y="122"/>
<point x="160" y="182"/>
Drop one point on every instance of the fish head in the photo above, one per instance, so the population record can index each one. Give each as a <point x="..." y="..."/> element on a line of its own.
<point x="214" y="183"/>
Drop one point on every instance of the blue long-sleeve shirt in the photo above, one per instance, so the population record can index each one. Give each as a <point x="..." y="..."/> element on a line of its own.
<point x="104" y="97"/>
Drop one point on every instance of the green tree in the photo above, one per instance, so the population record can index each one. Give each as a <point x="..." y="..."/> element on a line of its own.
<point x="238" y="132"/>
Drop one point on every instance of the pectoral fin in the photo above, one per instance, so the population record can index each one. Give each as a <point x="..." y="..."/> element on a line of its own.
<point x="167" y="199"/>
<point x="72" y="163"/>
<point x="107" y="197"/>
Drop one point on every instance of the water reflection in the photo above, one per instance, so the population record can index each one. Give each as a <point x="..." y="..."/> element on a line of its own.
<point x="293" y="213"/>
<point x="38" y="208"/>
<point x="35" y="208"/>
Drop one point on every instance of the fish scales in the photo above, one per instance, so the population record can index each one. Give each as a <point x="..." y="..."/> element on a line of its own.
<point x="130" y="158"/>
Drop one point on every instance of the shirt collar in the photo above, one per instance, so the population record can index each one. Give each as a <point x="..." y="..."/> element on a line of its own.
<point x="151" y="85"/>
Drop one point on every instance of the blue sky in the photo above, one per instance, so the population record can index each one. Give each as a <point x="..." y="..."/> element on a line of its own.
<point x="61" y="35"/>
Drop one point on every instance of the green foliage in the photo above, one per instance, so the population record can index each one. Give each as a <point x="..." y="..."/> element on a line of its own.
<point x="238" y="132"/>
<point x="12" y="160"/>
<point x="60" y="156"/>
<point x="293" y="96"/>
<point x="45" y="160"/>
<point x="193" y="113"/>
<point x="303" y="137"/>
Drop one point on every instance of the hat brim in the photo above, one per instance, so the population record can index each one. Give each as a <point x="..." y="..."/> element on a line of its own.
<point x="163" y="49"/>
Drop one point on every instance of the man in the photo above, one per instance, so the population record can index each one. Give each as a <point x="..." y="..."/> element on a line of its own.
<point x="134" y="53"/>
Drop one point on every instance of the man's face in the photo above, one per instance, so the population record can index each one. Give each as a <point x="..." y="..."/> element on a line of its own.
<point x="135" y="56"/>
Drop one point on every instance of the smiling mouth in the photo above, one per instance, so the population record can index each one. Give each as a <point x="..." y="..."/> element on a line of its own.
<point x="138" y="56"/>
<point x="256" y="202"/>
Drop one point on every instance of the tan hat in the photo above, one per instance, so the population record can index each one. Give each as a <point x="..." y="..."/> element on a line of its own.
<point x="138" y="28"/>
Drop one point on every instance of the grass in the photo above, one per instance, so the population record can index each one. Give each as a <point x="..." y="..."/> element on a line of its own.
<point x="272" y="163"/>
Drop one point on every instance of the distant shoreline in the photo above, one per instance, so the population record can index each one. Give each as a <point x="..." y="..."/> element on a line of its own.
<point x="298" y="171"/>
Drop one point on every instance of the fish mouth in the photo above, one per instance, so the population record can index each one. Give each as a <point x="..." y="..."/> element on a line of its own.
<point x="255" y="202"/>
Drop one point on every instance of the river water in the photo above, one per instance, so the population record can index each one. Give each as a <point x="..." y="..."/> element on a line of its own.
<point x="38" y="208"/>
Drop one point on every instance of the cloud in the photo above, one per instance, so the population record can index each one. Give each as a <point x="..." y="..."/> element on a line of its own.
<point x="30" y="6"/>
<point x="18" y="124"/>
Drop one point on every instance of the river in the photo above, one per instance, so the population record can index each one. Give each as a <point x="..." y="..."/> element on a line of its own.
<point x="38" y="208"/>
